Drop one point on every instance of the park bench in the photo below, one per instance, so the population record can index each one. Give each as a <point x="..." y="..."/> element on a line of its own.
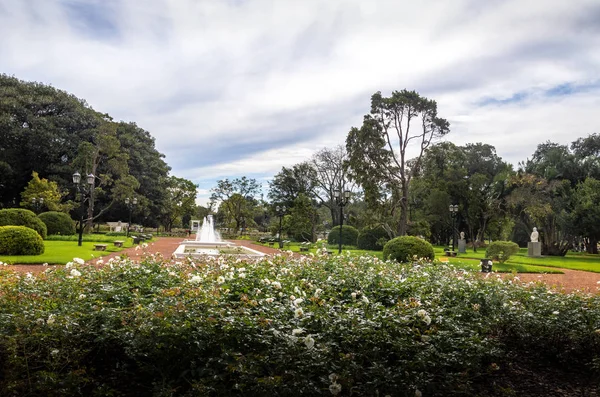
<point x="118" y="243"/>
<point x="271" y="243"/>
<point x="449" y="253"/>
<point x="100" y="247"/>
<point x="137" y="239"/>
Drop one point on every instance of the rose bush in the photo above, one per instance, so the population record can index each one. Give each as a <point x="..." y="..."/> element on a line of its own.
<point x="281" y="326"/>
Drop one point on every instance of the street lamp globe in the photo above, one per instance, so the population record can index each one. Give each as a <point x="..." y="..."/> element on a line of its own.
<point x="76" y="177"/>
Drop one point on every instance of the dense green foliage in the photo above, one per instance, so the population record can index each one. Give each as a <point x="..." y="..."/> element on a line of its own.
<point x="20" y="240"/>
<point x="54" y="134"/>
<point x="342" y="325"/>
<point x="22" y="217"/>
<point x="349" y="235"/>
<point x="58" y="222"/>
<point x="406" y="248"/>
<point x="501" y="251"/>
<point x="372" y="238"/>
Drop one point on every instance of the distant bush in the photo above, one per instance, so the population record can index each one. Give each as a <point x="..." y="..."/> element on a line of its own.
<point x="404" y="248"/>
<point x="372" y="238"/>
<point x="22" y="217"/>
<point x="58" y="223"/>
<point x="20" y="240"/>
<point x="501" y="251"/>
<point x="349" y="235"/>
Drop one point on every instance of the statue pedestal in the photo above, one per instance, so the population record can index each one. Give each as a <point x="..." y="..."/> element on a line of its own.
<point x="534" y="249"/>
<point x="462" y="246"/>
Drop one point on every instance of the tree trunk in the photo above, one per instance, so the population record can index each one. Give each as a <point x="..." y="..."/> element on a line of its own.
<point x="592" y="245"/>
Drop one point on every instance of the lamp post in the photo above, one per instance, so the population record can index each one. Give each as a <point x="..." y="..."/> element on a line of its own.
<point x="37" y="203"/>
<point x="453" y="213"/>
<point x="130" y="204"/>
<point x="280" y="212"/>
<point x="83" y="191"/>
<point x="341" y="199"/>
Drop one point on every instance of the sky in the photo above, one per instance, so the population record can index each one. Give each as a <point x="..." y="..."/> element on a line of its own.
<point x="233" y="88"/>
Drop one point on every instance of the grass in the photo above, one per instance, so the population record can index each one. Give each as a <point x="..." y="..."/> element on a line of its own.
<point x="572" y="261"/>
<point x="61" y="252"/>
<point x="469" y="261"/>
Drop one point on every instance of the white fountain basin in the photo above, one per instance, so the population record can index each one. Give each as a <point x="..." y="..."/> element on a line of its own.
<point x="197" y="249"/>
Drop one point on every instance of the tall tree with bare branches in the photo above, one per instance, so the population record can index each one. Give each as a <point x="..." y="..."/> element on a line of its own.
<point x="379" y="152"/>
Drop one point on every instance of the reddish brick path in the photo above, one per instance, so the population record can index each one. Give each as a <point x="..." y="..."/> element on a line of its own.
<point x="569" y="281"/>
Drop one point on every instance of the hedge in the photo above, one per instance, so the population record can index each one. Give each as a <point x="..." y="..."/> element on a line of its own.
<point x="372" y="238"/>
<point x="58" y="223"/>
<point x="20" y="240"/>
<point x="501" y="250"/>
<point x="405" y="248"/>
<point x="349" y="235"/>
<point x="22" y="217"/>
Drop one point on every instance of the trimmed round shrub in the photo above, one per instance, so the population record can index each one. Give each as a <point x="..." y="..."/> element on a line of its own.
<point x="405" y="248"/>
<point x="349" y="235"/>
<point x="501" y="251"/>
<point x="372" y="238"/>
<point x="22" y="217"/>
<point x="20" y="240"/>
<point x="58" y="223"/>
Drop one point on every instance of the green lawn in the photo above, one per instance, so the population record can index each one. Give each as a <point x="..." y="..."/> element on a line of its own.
<point x="61" y="252"/>
<point x="573" y="261"/>
<point x="464" y="261"/>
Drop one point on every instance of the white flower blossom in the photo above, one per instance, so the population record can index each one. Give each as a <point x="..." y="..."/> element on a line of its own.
<point x="297" y="331"/>
<point x="220" y="279"/>
<point x="75" y="273"/>
<point x="365" y="299"/>
<point x="69" y="265"/>
<point x="353" y="295"/>
<point x="79" y="261"/>
<point x="242" y="275"/>
<point x="318" y="292"/>
<point x="81" y="296"/>
<point x="269" y="300"/>
<point x="54" y="352"/>
<point x="335" y="388"/>
<point x="299" y="312"/>
<point x="51" y="319"/>
<point x="309" y="342"/>
<point x="298" y="301"/>
<point x="196" y="279"/>
<point x="276" y="284"/>
<point x="418" y="393"/>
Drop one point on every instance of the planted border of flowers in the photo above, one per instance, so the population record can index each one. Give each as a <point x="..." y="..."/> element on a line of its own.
<point x="317" y="325"/>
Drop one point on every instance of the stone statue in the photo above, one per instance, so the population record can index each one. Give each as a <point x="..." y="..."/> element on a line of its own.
<point x="462" y="235"/>
<point x="534" y="235"/>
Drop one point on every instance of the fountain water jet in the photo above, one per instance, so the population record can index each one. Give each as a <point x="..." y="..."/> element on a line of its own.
<point x="207" y="233"/>
<point x="208" y="242"/>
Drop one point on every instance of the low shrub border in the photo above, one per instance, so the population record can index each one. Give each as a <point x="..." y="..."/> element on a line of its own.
<point x="325" y="326"/>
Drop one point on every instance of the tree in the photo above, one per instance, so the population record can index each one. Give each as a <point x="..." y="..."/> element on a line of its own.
<point x="330" y="167"/>
<point x="378" y="149"/>
<point x="289" y="183"/>
<point x="587" y="212"/>
<point x="236" y="198"/>
<point x="180" y="199"/>
<point x="546" y="205"/>
<point x="303" y="219"/>
<point x="42" y="188"/>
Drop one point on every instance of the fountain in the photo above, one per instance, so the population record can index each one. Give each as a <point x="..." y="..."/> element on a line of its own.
<point x="208" y="242"/>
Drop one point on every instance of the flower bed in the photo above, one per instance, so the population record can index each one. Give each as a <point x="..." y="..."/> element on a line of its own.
<point x="283" y="326"/>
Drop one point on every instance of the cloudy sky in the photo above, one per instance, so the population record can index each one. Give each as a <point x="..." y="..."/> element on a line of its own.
<point x="243" y="87"/>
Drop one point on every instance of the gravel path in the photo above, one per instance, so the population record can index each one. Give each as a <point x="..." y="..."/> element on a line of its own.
<point x="569" y="281"/>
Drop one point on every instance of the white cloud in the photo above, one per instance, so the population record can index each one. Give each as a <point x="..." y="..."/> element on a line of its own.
<point x="284" y="78"/>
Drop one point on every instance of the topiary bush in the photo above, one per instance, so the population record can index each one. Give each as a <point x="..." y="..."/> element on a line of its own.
<point x="20" y="240"/>
<point x="22" y="217"/>
<point x="349" y="235"/>
<point x="372" y="238"/>
<point x="501" y="251"/>
<point x="58" y="223"/>
<point x="404" y="248"/>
